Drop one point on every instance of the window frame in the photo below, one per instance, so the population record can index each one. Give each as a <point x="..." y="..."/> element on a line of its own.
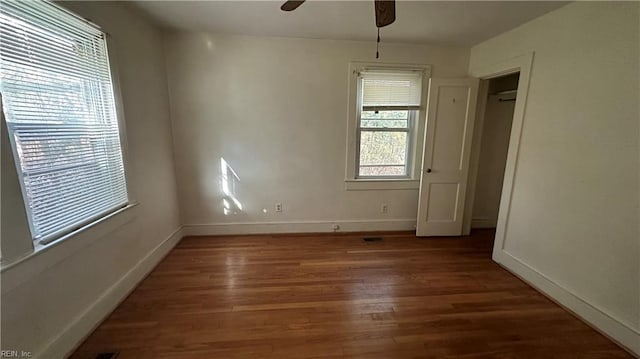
<point x="40" y="244"/>
<point x="415" y="130"/>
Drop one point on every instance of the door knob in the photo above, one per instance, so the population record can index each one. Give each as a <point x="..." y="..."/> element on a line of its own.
<point x="428" y="170"/>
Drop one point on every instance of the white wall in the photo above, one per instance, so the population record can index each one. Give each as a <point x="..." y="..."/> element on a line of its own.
<point x="573" y="221"/>
<point x="276" y="110"/>
<point x="493" y="155"/>
<point x="52" y="299"/>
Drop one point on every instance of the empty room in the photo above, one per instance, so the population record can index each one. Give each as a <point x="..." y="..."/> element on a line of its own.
<point x="319" y="179"/>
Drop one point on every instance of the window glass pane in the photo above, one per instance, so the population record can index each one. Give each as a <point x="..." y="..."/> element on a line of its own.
<point x="377" y="171"/>
<point x="384" y="119"/>
<point x="383" y="153"/>
<point x="385" y="115"/>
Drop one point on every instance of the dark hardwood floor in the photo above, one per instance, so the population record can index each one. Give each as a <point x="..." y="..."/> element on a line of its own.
<point x="303" y="296"/>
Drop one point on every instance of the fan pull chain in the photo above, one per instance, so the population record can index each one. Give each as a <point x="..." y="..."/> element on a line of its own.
<point x="378" y="45"/>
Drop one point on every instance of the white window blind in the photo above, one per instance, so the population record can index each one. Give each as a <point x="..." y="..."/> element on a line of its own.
<point x="59" y="107"/>
<point x="391" y="90"/>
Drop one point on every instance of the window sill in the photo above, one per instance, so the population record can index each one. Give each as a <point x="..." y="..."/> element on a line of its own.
<point x="14" y="273"/>
<point x="40" y="245"/>
<point x="381" y="184"/>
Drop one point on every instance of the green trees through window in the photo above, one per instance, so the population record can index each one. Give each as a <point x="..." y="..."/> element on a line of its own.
<point x="384" y="146"/>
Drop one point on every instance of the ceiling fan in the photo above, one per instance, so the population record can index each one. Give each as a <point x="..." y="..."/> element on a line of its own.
<point x="385" y="13"/>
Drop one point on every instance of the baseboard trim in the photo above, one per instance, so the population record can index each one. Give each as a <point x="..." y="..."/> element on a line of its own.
<point x="75" y="333"/>
<point x="298" y="227"/>
<point x="619" y="332"/>
<point x="483" y="223"/>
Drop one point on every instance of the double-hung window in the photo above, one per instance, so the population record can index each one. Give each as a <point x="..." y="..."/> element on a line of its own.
<point x="59" y="107"/>
<point x="388" y="102"/>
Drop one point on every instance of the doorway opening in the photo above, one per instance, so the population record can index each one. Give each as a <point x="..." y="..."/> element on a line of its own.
<point x="494" y="136"/>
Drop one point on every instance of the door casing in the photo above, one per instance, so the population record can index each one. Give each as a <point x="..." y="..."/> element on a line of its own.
<point x="521" y="64"/>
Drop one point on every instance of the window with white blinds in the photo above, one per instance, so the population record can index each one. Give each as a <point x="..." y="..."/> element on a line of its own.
<point x="59" y="107"/>
<point x="389" y="101"/>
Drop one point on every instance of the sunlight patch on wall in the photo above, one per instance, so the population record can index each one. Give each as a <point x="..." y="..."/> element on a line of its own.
<point x="230" y="180"/>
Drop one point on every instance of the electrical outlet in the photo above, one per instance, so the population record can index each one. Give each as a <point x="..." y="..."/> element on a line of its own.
<point x="384" y="208"/>
<point x="336" y="227"/>
<point x="278" y="207"/>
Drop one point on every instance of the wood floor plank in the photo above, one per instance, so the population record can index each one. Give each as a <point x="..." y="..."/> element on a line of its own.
<point x="337" y="296"/>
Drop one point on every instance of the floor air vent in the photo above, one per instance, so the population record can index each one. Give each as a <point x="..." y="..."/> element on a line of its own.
<point x="372" y="239"/>
<point x="110" y="355"/>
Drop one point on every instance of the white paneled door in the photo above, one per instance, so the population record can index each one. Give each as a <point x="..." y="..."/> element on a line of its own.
<point x="445" y="167"/>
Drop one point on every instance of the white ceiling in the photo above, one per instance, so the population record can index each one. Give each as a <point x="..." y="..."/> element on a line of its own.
<point x="445" y="22"/>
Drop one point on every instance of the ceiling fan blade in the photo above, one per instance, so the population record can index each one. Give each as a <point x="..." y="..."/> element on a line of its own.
<point x="291" y="5"/>
<point x="385" y="12"/>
